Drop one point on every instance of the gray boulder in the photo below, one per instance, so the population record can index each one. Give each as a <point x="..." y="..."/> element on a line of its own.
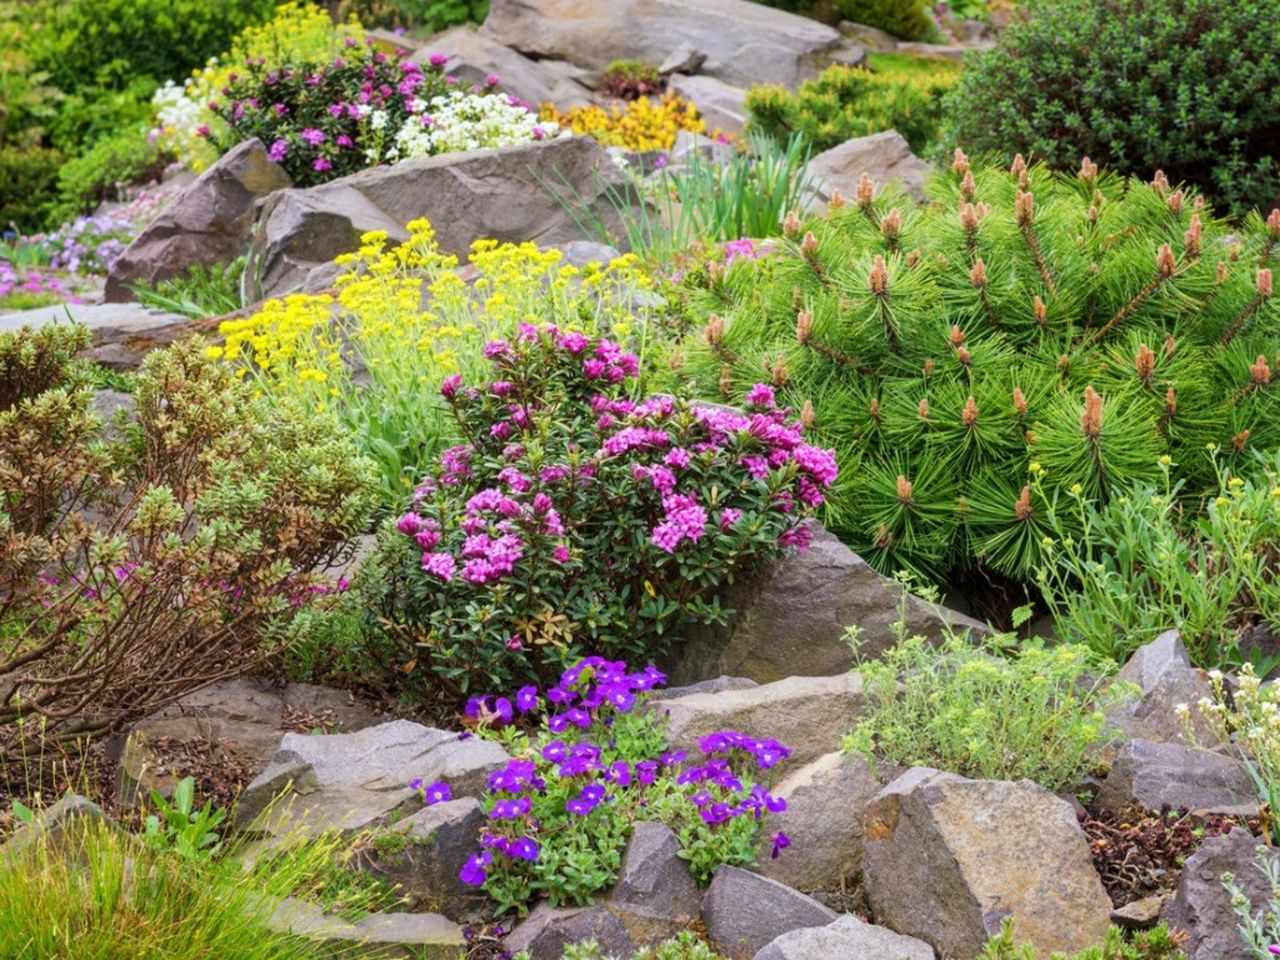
<point x="385" y="936"/>
<point x="516" y="193"/>
<point x="883" y="157"/>
<point x="947" y="859"/>
<point x="352" y="781"/>
<point x="743" y="912"/>
<point x="208" y="223"/>
<point x="1201" y="907"/>
<point x="846" y="937"/>
<point x="546" y="932"/>
<point x="245" y="718"/>
<point x="793" y="615"/>
<point x="744" y="42"/>
<point x="423" y="853"/>
<point x="473" y="56"/>
<point x="1156" y="775"/>
<point x="808" y="715"/>
<point x="721" y="104"/>
<point x="823" y="820"/>
<point x="123" y="333"/>
<point x="655" y="896"/>
<point x="873" y="38"/>
<point x="1162" y="672"/>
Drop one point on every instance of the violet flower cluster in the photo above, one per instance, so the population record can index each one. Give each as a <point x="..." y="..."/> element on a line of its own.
<point x="573" y="769"/>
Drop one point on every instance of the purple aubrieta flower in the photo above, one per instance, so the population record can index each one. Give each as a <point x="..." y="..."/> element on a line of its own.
<point x="527" y="699"/>
<point x="590" y="797"/>
<point x="510" y="809"/>
<point x="781" y="841"/>
<point x="474" y="871"/>
<point x="438" y="792"/>
<point x="523" y="848"/>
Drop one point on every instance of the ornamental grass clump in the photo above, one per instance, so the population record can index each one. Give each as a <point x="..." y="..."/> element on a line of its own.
<point x="170" y="553"/>
<point x="588" y="761"/>
<point x="988" y="713"/>
<point x="1025" y="323"/>
<point x="575" y="520"/>
<point x="402" y="317"/>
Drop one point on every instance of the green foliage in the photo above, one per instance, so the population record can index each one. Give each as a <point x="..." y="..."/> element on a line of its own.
<point x="104" y="171"/>
<point x="1118" y="575"/>
<point x="429" y="16"/>
<point x="986" y="712"/>
<point x="845" y="102"/>
<point x="1259" y="926"/>
<point x="177" y="825"/>
<point x="684" y="946"/>
<point x="204" y="291"/>
<point x="1156" y="944"/>
<point x="34" y="361"/>
<point x="110" y="43"/>
<point x="908" y="19"/>
<point x="27" y="100"/>
<point x="631" y="79"/>
<point x="1024" y="324"/>
<point x="28" y="176"/>
<point x="93" y="892"/>
<point x="1189" y="86"/>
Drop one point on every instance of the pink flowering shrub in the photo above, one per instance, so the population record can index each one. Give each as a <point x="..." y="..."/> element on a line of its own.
<point x="325" y="120"/>
<point x="576" y="520"/>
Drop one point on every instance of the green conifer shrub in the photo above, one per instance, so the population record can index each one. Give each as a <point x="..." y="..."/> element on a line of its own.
<point x="1192" y="86"/>
<point x="1025" y="323"/>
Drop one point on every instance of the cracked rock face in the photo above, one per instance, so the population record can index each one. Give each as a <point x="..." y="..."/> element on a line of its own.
<point x="947" y="859"/>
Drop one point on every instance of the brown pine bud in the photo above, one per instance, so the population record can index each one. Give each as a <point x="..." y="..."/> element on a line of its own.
<point x="807" y="417"/>
<point x="960" y="165"/>
<point x="1092" y="214"/>
<point x="978" y="275"/>
<point x="791" y="225"/>
<point x="804" y="326"/>
<point x="1170" y="404"/>
<point x="1222" y="272"/>
<point x="964" y="356"/>
<point x="927" y="368"/>
<point x="1273" y="222"/>
<point x="809" y="245"/>
<point x="1145" y="363"/>
<point x="715" y="270"/>
<point x="1019" y="402"/>
<point x="968" y="186"/>
<point x="780" y="375"/>
<point x="873" y="410"/>
<point x="1088" y="170"/>
<point x="878" y="278"/>
<point x="1240" y="439"/>
<point x="1264" y="283"/>
<point x="714" y="331"/>
<point x="1031" y="438"/>
<point x="726" y="379"/>
<point x="1022" y="506"/>
<point x="1192" y="238"/>
<point x="1091" y="418"/>
<point x="676" y="360"/>
<point x="956" y="337"/>
<point x="1064" y="363"/>
<point x="969" y="416"/>
<point x="1019" y="168"/>
<point x="1040" y="310"/>
<point x="1233" y="252"/>
<point x="837" y="200"/>
<point x="864" y="192"/>
<point x="1160" y="183"/>
<point x="891" y="224"/>
<point x="969" y="218"/>
<point x="1174" y="203"/>
<point x="1023" y="208"/>
<point x="914" y="256"/>
<point x="883" y="537"/>
<point x="1260" y="372"/>
<point x="904" y="490"/>
<point x="1197" y="203"/>
<point x="1170" y="346"/>
<point x="922" y="408"/>
<point x="1166" y="264"/>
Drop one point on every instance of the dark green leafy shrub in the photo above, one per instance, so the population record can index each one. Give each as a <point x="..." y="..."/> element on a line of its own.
<point x="110" y="43"/>
<point x="1075" y="328"/>
<point x="847" y="102"/>
<point x="1188" y="86"/>
<point x="141" y="566"/>
<point x="28" y="177"/>
<point x="908" y="19"/>
<point x="104" y="171"/>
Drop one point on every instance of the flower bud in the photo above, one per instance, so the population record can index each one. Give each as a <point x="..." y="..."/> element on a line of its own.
<point x="1023" y="208"/>
<point x="1170" y="346"/>
<point x="1273" y="223"/>
<point x="1088" y="170"/>
<point x="1022" y="506"/>
<point x="960" y="165"/>
<point x="1040" y="310"/>
<point x="1174" y="203"/>
<point x="968" y="187"/>
<point x="1145" y="363"/>
<point x="1019" y="167"/>
<point x="969" y="416"/>
<point x="837" y="200"/>
<point x="964" y="356"/>
<point x="956" y="337"/>
<point x="904" y="490"/>
<point x="1091" y="418"/>
<point x="873" y="410"/>
<point x="780" y="375"/>
<point x="1192" y="238"/>
<point x="1166" y="264"/>
<point x="927" y="368"/>
<point x="1222" y="272"/>
<point x="864" y="192"/>
<point x="891" y="224"/>
<point x="878" y="278"/>
<point x="804" y="326"/>
<point x="1264" y="283"/>
<point x="726" y="379"/>
<point x="809" y="245"/>
<point x="922" y="408"/>
<point x="978" y="275"/>
<point x="1160" y="183"/>
<point x="1240" y="439"/>
<point x="807" y="417"/>
<point x="791" y="225"/>
<point x="1019" y="402"/>
<point x="1260" y="372"/>
<point x="714" y="330"/>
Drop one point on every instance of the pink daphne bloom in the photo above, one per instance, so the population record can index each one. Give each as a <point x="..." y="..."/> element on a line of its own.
<point x="313" y="136"/>
<point x="321" y="165"/>
<point x="685" y="520"/>
<point x="441" y="565"/>
<point x="278" y="150"/>
<point x="761" y="395"/>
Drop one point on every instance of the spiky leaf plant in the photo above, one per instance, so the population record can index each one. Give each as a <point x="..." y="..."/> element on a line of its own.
<point x="1022" y="322"/>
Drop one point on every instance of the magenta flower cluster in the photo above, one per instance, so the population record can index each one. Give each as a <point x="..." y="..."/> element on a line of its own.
<point x="573" y="768"/>
<point x="574" y="500"/>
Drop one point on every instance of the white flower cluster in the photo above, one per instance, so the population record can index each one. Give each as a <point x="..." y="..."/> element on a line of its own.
<point x="179" y="113"/>
<point x="465" y="121"/>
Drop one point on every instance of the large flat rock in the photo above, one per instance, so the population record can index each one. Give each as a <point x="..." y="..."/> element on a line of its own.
<point x="123" y="333"/>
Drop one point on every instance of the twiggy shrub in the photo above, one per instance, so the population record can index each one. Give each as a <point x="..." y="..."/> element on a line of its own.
<point x="137" y="568"/>
<point x="1024" y="323"/>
